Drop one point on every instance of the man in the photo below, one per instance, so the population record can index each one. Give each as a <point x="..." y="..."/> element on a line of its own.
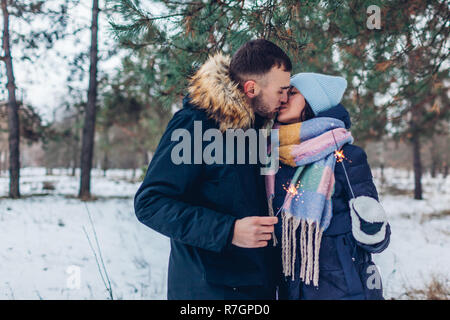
<point x="216" y="214"/>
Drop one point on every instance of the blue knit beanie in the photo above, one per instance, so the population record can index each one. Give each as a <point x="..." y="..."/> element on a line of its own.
<point x="320" y="90"/>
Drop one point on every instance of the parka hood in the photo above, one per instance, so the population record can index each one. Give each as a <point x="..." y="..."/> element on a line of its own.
<point x="212" y="90"/>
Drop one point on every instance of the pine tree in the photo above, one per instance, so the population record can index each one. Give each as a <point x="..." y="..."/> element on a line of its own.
<point x="396" y="74"/>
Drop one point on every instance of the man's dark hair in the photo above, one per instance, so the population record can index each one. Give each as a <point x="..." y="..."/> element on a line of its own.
<point x="257" y="57"/>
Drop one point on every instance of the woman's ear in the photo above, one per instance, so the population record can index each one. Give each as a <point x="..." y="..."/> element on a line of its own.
<point x="251" y="89"/>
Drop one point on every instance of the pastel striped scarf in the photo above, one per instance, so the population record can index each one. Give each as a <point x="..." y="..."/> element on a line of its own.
<point x="309" y="146"/>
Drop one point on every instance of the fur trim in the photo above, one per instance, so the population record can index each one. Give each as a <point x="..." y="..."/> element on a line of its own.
<point x="212" y="90"/>
<point x="369" y="210"/>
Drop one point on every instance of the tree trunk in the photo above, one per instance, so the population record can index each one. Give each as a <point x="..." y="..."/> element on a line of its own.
<point x="73" y="166"/>
<point x="105" y="163"/>
<point x="433" y="169"/>
<point x="417" y="163"/>
<point x="75" y="157"/>
<point x="435" y="157"/>
<point x="87" y="149"/>
<point x="13" y="111"/>
<point x="445" y="170"/>
<point x="106" y="144"/>
<point x="76" y="145"/>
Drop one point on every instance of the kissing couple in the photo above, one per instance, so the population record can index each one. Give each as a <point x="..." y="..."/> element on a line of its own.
<point x="236" y="234"/>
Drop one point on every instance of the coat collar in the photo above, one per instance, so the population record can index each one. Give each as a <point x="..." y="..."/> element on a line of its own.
<point x="338" y="112"/>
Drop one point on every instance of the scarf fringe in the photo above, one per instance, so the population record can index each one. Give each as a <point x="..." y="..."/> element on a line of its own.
<point x="310" y="239"/>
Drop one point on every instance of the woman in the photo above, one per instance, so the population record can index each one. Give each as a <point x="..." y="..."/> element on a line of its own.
<point x="320" y="257"/>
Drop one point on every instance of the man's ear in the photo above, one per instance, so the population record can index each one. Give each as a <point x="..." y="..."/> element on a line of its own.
<point x="251" y="88"/>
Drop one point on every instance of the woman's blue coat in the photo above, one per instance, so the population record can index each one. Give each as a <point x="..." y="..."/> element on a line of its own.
<point x="346" y="270"/>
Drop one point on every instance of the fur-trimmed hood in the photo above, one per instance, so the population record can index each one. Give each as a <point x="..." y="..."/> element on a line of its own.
<point x="211" y="89"/>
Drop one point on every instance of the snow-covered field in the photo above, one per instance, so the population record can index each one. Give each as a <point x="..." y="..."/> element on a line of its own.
<point x="45" y="252"/>
<point x="43" y="247"/>
<point x="420" y="239"/>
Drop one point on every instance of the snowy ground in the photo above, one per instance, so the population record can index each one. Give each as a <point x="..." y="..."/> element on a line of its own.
<point x="42" y="242"/>
<point x="45" y="253"/>
<point x="420" y="239"/>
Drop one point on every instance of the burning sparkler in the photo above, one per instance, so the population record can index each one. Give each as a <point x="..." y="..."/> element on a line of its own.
<point x="292" y="192"/>
<point x="339" y="154"/>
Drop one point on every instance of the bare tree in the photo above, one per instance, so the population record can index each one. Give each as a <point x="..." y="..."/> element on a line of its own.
<point x="13" y="109"/>
<point x="25" y="12"/>
<point x="87" y="149"/>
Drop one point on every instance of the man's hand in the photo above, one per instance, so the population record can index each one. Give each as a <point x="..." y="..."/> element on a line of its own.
<point x="253" y="232"/>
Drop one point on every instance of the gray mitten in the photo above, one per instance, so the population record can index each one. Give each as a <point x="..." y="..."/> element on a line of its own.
<point x="369" y="220"/>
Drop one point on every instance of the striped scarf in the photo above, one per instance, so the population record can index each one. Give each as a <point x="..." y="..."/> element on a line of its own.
<point x="309" y="146"/>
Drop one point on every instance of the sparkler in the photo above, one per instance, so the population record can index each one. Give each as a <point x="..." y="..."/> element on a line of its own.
<point x="339" y="155"/>
<point x="292" y="192"/>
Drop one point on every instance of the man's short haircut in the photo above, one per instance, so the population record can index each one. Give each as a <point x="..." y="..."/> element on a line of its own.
<point x="257" y="57"/>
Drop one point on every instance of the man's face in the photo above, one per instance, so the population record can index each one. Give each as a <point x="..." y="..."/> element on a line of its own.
<point x="272" y="94"/>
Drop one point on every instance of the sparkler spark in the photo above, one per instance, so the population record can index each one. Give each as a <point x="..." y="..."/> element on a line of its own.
<point x="339" y="154"/>
<point x="292" y="190"/>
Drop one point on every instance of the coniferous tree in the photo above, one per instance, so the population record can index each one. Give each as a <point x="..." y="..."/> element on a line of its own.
<point x="396" y="72"/>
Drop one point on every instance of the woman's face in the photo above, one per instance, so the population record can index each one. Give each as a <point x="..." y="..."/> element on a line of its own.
<point x="290" y="112"/>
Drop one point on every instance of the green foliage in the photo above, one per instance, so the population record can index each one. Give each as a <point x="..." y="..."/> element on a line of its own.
<point x="402" y="61"/>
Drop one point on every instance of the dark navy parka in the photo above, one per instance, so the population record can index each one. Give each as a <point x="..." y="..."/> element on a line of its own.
<point x="196" y="206"/>
<point x="346" y="269"/>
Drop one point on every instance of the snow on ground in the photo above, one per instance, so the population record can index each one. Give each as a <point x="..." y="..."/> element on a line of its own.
<point x="420" y="239"/>
<point x="42" y="242"/>
<point x="43" y="247"/>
